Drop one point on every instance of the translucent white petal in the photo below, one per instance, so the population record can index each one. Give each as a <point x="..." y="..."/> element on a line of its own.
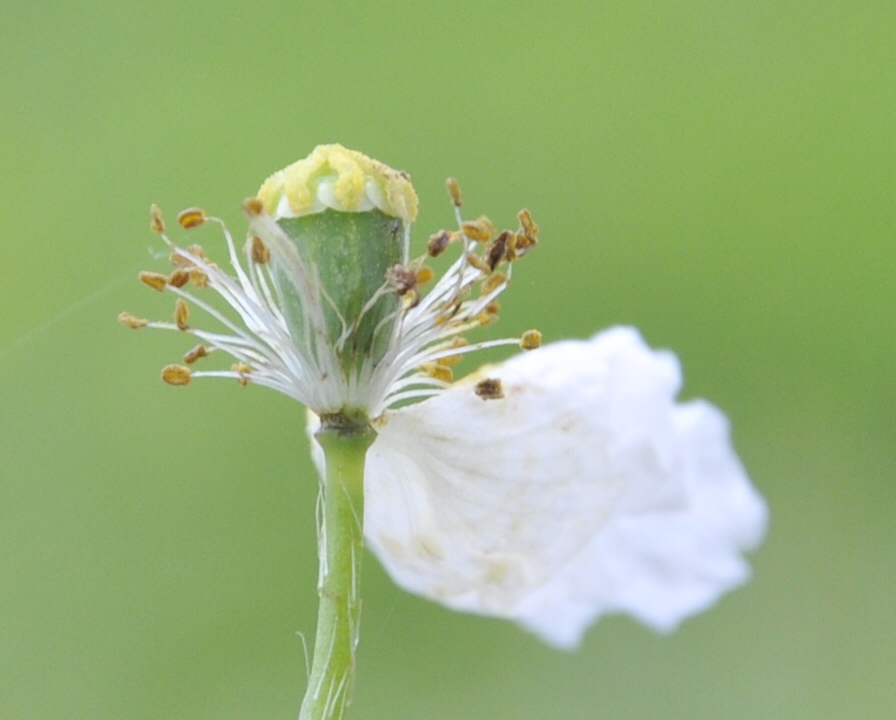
<point x="585" y="490"/>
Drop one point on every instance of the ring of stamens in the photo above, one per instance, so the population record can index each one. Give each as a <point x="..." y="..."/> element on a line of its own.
<point x="426" y="332"/>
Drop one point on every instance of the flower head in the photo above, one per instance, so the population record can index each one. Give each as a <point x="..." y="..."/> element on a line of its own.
<point x="551" y="489"/>
<point x="330" y="309"/>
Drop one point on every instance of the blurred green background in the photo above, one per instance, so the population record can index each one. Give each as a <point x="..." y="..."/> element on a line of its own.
<point x="719" y="174"/>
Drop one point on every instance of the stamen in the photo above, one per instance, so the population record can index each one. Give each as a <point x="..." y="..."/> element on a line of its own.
<point x="253" y="207"/>
<point x="132" y="321"/>
<point x="497" y="250"/>
<point x="492" y="282"/>
<point x="437" y="371"/>
<point x="449" y="360"/>
<point x="181" y="260"/>
<point x="176" y="374"/>
<point x="198" y="278"/>
<point x="425" y="274"/>
<point x="179" y="278"/>
<point x="478" y="263"/>
<point x="196" y="249"/>
<point x="454" y="192"/>
<point x="401" y="279"/>
<point x="530" y="229"/>
<point x="243" y="370"/>
<point x="200" y="351"/>
<point x="156" y="223"/>
<point x="155" y="280"/>
<point x="191" y="218"/>
<point x="261" y="255"/>
<point x="181" y="314"/>
<point x="489" y="389"/>
<point x="480" y="230"/>
<point x="485" y="319"/>
<point x="531" y="340"/>
<point x="437" y="243"/>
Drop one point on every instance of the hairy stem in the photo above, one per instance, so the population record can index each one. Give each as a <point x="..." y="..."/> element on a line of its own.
<point x="340" y="548"/>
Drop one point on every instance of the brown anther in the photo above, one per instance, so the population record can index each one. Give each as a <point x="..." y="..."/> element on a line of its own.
<point x="424" y="275"/>
<point x="243" y="370"/>
<point x="132" y="321"/>
<point x="489" y="389"/>
<point x="253" y="207"/>
<point x="437" y="243"/>
<point x="457" y="342"/>
<point x="191" y="218"/>
<point x="454" y="192"/>
<point x="480" y="230"/>
<point x="493" y="282"/>
<point x="179" y="278"/>
<point x="497" y="250"/>
<point x="181" y="314"/>
<point x="198" y="278"/>
<point x="155" y="280"/>
<point x="401" y="279"/>
<point x="530" y="340"/>
<point x="438" y="371"/>
<point x="176" y="374"/>
<point x="156" y="223"/>
<point x="200" y="351"/>
<point x="478" y="263"/>
<point x="260" y="252"/>
<point x="530" y="229"/>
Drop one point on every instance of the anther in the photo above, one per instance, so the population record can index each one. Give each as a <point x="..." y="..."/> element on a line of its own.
<point x="176" y="374"/>
<point x="530" y="229"/>
<point x="196" y="249"/>
<point x="530" y="340"/>
<point x="457" y="342"/>
<point x="437" y="243"/>
<point x="424" y="275"/>
<point x="181" y="314"/>
<point x="480" y="230"/>
<point x="492" y="282"/>
<point x="489" y="389"/>
<point x="401" y="279"/>
<point x="522" y="243"/>
<point x="191" y="218"/>
<point x="132" y="321"/>
<point x="497" y="250"/>
<point x="437" y="371"/>
<point x="243" y="370"/>
<point x="200" y="351"/>
<point x="198" y="278"/>
<point x="253" y="207"/>
<point x="454" y="192"/>
<point x="156" y="223"/>
<point x="489" y="316"/>
<point x="179" y="278"/>
<point x="260" y="252"/>
<point x="155" y="280"/>
<point x="510" y="249"/>
<point x="478" y="263"/>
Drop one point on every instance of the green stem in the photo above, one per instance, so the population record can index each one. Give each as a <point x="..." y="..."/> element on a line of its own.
<point x="340" y="548"/>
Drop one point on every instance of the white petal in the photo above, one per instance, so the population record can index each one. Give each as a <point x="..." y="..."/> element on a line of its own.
<point x="585" y="490"/>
